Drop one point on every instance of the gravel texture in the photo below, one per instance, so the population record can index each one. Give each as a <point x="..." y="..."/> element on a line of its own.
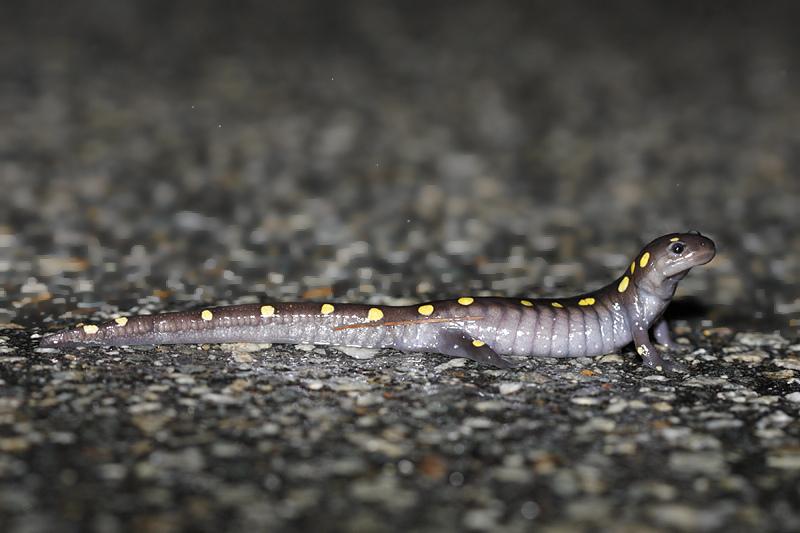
<point x="160" y="156"/>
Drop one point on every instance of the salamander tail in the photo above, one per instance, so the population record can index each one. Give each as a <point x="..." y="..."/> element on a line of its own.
<point x="59" y="339"/>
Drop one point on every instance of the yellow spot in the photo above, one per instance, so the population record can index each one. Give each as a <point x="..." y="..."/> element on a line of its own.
<point x="623" y="285"/>
<point x="476" y="343"/>
<point x="640" y="350"/>
<point x="121" y="321"/>
<point x="326" y="309"/>
<point x="586" y="301"/>
<point x="675" y="239"/>
<point x="267" y="310"/>
<point x="633" y="266"/>
<point x="466" y="300"/>
<point x="644" y="259"/>
<point x="374" y="314"/>
<point x="526" y="303"/>
<point x="426" y="309"/>
<point x="206" y="315"/>
<point x="557" y="305"/>
<point x="90" y="329"/>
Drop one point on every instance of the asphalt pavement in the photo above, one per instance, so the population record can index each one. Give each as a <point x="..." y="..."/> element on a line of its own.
<point x="160" y="157"/>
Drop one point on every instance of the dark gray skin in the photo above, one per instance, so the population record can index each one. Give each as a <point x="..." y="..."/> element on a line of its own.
<point x="482" y="329"/>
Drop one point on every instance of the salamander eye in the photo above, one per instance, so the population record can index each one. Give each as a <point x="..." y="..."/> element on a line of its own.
<point x="677" y="248"/>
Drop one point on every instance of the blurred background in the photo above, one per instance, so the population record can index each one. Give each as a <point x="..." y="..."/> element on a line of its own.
<point x="197" y="152"/>
<point x="171" y="155"/>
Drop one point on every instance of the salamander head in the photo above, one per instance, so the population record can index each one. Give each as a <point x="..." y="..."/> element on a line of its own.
<point x="669" y="258"/>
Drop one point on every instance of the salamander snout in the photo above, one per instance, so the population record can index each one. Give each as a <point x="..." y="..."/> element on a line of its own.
<point x="704" y="249"/>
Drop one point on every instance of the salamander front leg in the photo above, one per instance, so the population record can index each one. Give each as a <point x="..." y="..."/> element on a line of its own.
<point x="664" y="336"/>
<point x="651" y="357"/>
<point x="459" y="344"/>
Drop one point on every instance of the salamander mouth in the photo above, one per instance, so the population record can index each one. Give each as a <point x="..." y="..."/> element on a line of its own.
<point x="705" y="255"/>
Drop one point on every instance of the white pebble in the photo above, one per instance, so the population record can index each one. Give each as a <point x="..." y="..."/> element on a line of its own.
<point x="793" y="397"/>
<point x="510" y="387"/>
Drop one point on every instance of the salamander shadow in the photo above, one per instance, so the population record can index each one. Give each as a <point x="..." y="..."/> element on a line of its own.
<point x="688" y="308"/>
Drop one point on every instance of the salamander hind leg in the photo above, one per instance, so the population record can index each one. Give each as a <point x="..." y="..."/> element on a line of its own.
<point x="457" y="343"/>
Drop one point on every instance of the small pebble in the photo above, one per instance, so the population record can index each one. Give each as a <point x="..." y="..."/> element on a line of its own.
<point x="509" y="387"/>
<point x="793" y="397"/>
<point x="583" y="400"/>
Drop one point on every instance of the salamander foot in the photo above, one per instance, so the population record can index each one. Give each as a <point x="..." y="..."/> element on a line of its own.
<point x="660" y="362"/>
<point x="460" y="344"/>
<point x="664" y="364"/>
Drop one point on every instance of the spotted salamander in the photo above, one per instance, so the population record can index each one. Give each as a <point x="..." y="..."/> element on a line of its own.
<point x="484" y="329"/>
